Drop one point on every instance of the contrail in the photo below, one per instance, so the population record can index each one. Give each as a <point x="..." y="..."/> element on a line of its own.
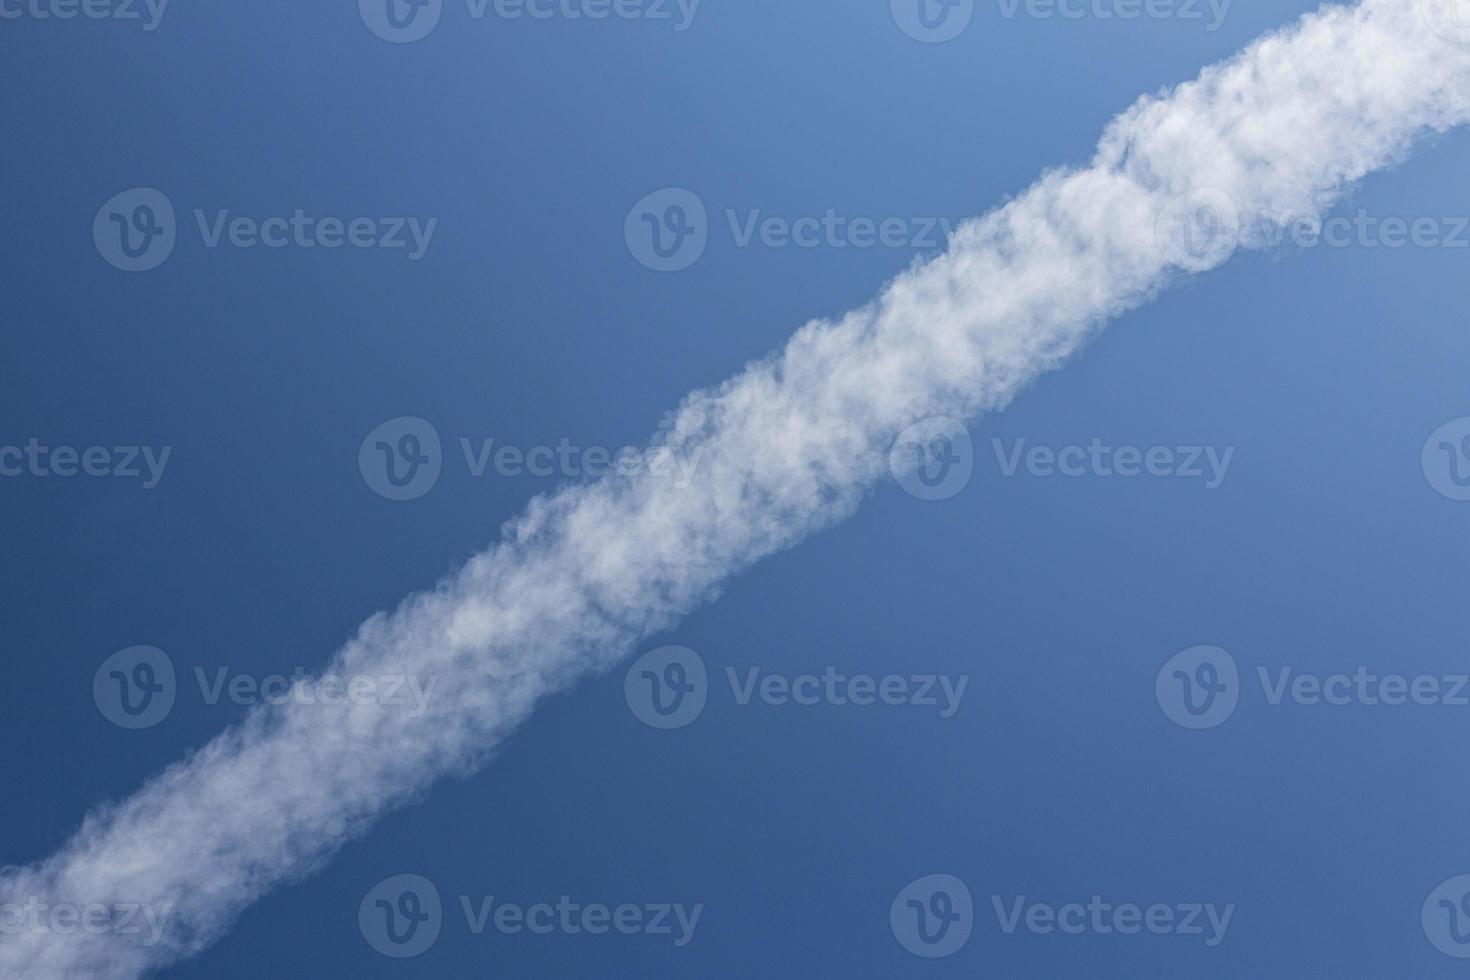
<point x="789" y="446"/>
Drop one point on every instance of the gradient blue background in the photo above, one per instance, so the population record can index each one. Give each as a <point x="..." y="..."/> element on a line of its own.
<point x="529" y="321"/>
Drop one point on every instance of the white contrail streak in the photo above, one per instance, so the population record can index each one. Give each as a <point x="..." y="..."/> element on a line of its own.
<point x="787" y="447"/>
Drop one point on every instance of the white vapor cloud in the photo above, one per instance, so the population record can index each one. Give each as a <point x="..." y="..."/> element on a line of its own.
<point x="787" y="447"/>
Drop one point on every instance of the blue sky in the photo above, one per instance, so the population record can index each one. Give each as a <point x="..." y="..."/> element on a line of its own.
<point x="529" y="320"/>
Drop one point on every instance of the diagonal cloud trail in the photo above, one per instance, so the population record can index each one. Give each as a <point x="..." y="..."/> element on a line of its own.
<point x="787" y="447"/>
